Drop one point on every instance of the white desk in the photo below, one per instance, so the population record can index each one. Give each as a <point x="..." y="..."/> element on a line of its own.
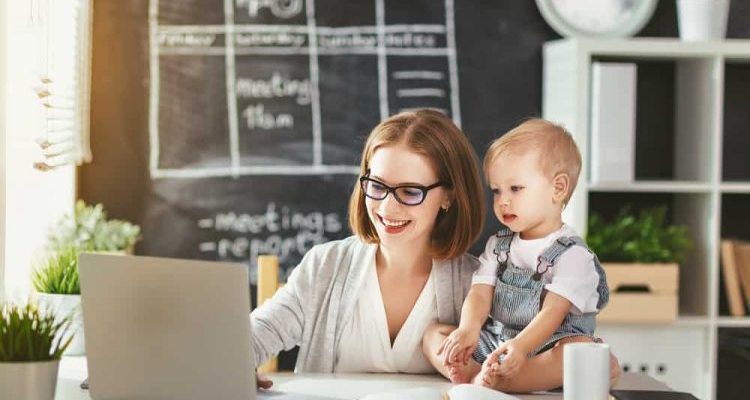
<point x="344" y="386"/>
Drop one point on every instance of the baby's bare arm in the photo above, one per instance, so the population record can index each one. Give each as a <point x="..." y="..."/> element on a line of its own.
<point x="461" y="343"/>
<point x="476" y="307"/>
<point x="553" y="312"/>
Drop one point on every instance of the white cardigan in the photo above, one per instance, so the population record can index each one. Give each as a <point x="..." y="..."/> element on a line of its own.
<point x="318" y="300"/>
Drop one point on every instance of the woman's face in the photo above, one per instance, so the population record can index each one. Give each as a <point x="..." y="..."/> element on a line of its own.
<point x="399" y="224"/>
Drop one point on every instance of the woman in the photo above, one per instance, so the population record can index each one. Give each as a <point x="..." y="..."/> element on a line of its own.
<point x="361" y="304"/>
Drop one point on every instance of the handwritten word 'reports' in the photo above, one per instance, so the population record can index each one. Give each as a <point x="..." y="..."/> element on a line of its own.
<point x="279" y="8"/>
<point x="243" y="248"/>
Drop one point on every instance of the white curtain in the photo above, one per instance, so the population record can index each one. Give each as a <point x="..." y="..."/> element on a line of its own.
<point x="63" y="45"/>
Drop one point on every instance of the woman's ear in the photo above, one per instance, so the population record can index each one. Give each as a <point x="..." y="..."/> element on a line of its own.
<point x="560" y="187"/>
<point x="447" y="200"/>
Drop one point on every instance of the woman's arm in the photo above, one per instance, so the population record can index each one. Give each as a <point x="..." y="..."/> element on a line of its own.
<point x="277" y="325"/>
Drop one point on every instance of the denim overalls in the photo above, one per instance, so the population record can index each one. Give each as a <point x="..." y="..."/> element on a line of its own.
<point x="518" y="298"/>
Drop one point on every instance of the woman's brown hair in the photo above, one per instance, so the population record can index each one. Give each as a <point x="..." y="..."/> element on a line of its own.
<point x="435" y="136"/>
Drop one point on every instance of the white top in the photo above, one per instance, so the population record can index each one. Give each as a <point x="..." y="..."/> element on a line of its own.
<point x="313" y="308"/>
<point x="573" y="276"/>
<point x="369" y="325"/>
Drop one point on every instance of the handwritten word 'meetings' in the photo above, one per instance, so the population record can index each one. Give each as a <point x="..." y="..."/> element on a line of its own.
<point x="280" y="231"/>
<point x="273" y="220"/>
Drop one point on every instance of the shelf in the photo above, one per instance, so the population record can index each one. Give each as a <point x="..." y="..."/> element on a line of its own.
<point x="686" y="321"/>
<point x="733" y="322"/>
<point x="652" y="187"/>
<point x="657" y="48"/>
<point x="689" y="136"/>
<point x="692" y="321"/>
<point x="736" y="187"/>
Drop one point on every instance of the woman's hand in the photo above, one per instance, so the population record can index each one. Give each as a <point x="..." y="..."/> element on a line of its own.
<point x="507" y="359"/>
<point x="263" y="382"/>
<point x="458" y="346"/>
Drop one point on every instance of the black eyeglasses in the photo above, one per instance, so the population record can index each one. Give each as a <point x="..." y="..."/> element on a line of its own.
<point x="409" y="195"/>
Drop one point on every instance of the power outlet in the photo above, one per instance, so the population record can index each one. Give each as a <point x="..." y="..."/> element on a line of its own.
<point x="667" y="354"/>
<point x="657" y="370"/>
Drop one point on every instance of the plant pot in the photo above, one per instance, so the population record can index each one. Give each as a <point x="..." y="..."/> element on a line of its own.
<point x="641" y="293"/>
<point x="702" y="19"/>
<point x="62" y="305"/>
<point x="34" y="380"/>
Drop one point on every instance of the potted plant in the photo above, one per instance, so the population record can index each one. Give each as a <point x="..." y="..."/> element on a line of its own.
<point x="89" y="229"/>
<point x="58" y="292"/>
<point x="30" y="352"/>
<point x="640" y="255"/>
<point x="56" y="279"/>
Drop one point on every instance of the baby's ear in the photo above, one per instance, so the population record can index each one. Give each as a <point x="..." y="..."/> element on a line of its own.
<point x="560" y="187"/>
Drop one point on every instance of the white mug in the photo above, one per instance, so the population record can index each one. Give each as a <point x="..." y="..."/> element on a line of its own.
<point x="586" y="371"/>
<point x="700" y="20"/>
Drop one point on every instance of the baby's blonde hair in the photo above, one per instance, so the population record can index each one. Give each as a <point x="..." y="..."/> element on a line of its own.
<point x="558" y="152"/>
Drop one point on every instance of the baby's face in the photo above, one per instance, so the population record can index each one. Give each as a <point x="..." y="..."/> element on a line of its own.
<point x="523" y="195"/>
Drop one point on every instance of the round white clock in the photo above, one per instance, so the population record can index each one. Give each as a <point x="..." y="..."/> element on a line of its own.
<point x="596" y="18"/>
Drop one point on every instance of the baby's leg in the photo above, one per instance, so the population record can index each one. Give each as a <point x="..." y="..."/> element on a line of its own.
<point x="456" y="372"/>
<point x="542" y="372"/>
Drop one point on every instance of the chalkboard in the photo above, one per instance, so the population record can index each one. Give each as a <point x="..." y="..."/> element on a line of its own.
<point x="229" y="129"/>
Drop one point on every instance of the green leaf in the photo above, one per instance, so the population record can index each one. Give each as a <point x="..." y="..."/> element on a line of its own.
<point x="59" y="273"/>
<point x="88" y="229"/>
<point x="27" y="334"/>
<point x="645" y="238"/>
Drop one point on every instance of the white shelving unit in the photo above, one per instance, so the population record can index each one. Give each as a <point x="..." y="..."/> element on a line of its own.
<point x="688" y="349"/>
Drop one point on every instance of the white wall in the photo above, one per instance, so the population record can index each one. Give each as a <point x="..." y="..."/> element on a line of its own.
<point x="3" y="91"/>
<point x="32" y="199"/>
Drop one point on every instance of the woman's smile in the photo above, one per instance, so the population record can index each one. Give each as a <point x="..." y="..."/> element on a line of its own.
<point x="393" y="226"/>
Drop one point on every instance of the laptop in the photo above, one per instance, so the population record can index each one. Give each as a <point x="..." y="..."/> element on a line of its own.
<point x="159" y="328"/>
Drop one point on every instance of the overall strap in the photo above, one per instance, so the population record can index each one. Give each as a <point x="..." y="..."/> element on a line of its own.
<point x="550" y="255"/>
<point x="602" y="288"/>
<point x="504" y="236"/>
<point x="502" y="247"/>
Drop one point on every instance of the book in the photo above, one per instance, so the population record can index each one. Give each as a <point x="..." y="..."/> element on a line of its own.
<point x="742" y="259"/>
<point x="731" y="278"/>
<point x="458" y="392"/>
<point x="651" y="395"/>
<point x="613" y="109"/>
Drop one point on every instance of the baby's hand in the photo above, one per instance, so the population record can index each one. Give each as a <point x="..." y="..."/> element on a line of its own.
<point x="458" y="346"/>
<point x="507" y="360"/>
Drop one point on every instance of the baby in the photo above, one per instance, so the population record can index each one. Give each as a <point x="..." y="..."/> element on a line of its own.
<point x="538" y="286"/>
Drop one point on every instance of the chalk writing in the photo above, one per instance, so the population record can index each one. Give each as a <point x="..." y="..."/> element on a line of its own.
<point x="275" y="86"/>
<point x="257" y="118"/>
<point x="281" y="231"/>
<point x="279" y="8"/>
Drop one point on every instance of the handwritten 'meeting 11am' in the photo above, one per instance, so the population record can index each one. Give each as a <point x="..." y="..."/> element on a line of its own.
<point x="276" y="86"/>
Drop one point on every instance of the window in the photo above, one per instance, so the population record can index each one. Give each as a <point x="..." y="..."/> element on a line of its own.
<point x="43" y="38"/>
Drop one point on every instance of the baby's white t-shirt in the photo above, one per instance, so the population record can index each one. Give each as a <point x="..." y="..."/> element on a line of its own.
<point x="573" y="276"/>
